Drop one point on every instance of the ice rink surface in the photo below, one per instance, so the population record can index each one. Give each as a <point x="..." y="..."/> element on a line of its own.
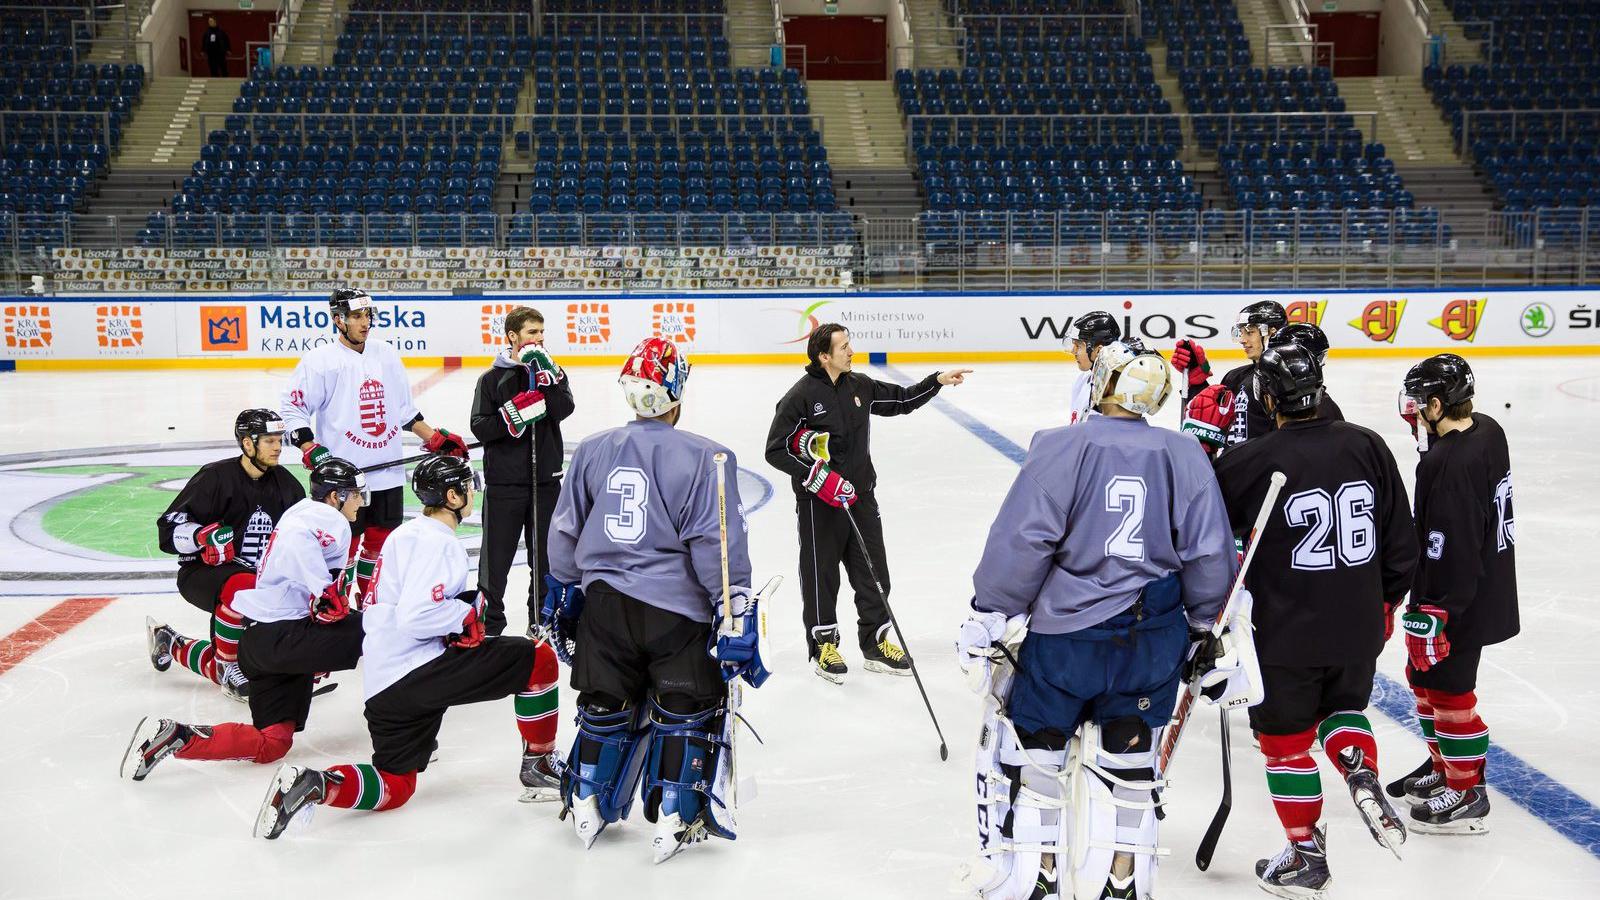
<point x="853" y="800"/>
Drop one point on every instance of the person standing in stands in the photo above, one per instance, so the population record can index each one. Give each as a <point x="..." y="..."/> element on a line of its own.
<point x="216" y="45"/>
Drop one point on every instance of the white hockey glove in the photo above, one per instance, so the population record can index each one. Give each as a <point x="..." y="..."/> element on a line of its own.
<point x="976" y="647"/>
<point x="1233" y="680"/>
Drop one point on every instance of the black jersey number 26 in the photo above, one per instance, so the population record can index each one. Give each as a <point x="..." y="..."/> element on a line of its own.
<point x="1340" y="527"/>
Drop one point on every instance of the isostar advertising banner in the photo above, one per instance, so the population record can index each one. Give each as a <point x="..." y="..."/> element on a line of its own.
<point x="756" y="327"/>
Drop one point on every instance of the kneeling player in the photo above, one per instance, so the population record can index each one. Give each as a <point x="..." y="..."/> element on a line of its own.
<point x="638" y="529"/>
<point x="1465" y="596"/>
<point x="425" y="652"/>
<point x="1331" y="562"/>
<point x="218" y="525"/>
<point x="1112" y="535"/>
<point x="297" y="624"/>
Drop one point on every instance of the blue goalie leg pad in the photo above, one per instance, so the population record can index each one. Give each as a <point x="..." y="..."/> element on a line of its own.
<point x="607" y="758"/>
<point x="684" y="769"/>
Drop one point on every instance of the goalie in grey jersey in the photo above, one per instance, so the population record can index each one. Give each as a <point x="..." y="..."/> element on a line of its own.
<point x="1110" y="546"/>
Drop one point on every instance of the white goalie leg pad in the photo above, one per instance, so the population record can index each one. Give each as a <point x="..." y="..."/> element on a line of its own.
<point x="1022" y="810"/>
<point x="1235" y="681"/>
<point x="1114" y="800"/>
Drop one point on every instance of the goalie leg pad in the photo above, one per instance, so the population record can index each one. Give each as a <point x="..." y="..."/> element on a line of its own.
<point x="685" y="770"/>
<point x="1114" y="799"/>
<point x="1021" y="810"/>
<point x="606" y="761"/>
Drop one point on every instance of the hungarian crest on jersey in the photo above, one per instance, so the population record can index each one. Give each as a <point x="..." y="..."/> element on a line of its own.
<point x="374" y="415"/>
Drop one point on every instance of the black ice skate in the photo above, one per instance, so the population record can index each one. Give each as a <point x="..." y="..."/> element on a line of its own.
<point x="1044" y="887"/>
<point x="294" y="792"/>
<point x="541" y="777"/>
<point x="1454" y="812"/>
<point x="1375" y="809"/>
<point x="153" y="741"/>
<point x="885" y="656"/>
<point x="1399" y="787"/>
<point x="234" y="685"/>
<point x="159" y="639"/>
<point x="828" y="663"/>
<point x="1423" y="789"/>
<point x="1300" y="870"/>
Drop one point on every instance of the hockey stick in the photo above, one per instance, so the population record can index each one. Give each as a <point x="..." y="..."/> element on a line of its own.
<point x="735" y="693"/>
<point x="944" y="750"/>
<point x="536" y="631"/>
<point x="1190" y="690"/>
<point x="1208" y="843"/>
<point x="408" y="460"/>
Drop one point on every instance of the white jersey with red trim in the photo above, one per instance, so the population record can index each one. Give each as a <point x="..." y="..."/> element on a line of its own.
<point x="304" y="555"/>
<point x="356" y="405"/>
<point x="1080" y="399"/>
<point x="421" y="571"/>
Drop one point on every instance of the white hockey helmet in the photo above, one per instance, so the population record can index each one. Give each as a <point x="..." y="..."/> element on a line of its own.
<point x="654" y="377"/>
<point x="1143" y="378"/>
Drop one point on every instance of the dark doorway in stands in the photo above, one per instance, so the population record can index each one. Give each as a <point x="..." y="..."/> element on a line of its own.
<point x="246" y="30"/>
<point x="1355" y="37"/>
<point x="838" y="47"/>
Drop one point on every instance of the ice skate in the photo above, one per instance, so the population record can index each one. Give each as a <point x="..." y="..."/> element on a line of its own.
<point x="1376" y="810"/>
<point x="153" y="741"/>
<point x="827" y="661"/>
<point x="586" y="819"/>
<point x="234" y="685"/>
<point x="1401" y="786"/>
<point x="672" y="836"/>
<point x="1300" y="870"/>
<point x="541" y="777"/>
<point x="1454" y="812"/>
<point x="159" y="639"/>
<point x="294" y="793"/>
<point x="886" y="656"/>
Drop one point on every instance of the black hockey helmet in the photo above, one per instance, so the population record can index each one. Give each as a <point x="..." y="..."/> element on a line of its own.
<point x="1095" y="329"/>
<point x="257" y="423"/>
<point x="335" y="474"/>
<point x="1303" y="334"/>
<point x="1446" y="376"/>
<point x="1291" y="376"/>
<point x="343" y="300"/>
<point x="1269" y="313"/>
<point x="436" y="475"/>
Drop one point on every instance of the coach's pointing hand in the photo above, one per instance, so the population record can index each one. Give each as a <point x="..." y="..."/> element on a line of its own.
<point x="954" y="376"/>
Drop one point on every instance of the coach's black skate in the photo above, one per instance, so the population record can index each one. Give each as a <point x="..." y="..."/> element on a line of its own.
<point x="827" y="660"/>
<point x="159" y="639"/>
<point x="234" y="685"/>
<point x="153" y="741"/>
<point x="1300" y="870"/>
<point x="541" y="777"/>
<point x="1375" y="809"/>
<point x="1401" y="786"/>
<point x="886" y="656"/>
<point x="1454" y="812"/>
<point x="294" y="792"/>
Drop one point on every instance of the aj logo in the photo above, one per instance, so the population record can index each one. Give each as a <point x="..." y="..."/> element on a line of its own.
<point x="1380" y="321"/>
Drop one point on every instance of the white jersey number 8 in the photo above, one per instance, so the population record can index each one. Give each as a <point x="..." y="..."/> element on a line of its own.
<point x="1350" y="509"/>
<point x="1125" y="494"/>
<point x="627" y="526"/>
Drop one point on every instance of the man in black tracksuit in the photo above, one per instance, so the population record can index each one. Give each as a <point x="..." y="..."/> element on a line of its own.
<point x="819" y="438"/>
<point x="523" y="388"/>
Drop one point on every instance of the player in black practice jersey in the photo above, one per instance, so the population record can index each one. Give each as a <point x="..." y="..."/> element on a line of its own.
<point x="1335" y="555"/>
<point x="218" y="526"/>
<point x="1309" y="336"/>
<point x="1465" y="594"/>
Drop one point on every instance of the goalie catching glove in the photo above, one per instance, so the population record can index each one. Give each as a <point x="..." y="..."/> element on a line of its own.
<point x="740" y="644"/>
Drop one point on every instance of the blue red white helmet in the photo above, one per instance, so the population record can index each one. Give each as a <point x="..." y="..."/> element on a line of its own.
<point x="654" y="377"/>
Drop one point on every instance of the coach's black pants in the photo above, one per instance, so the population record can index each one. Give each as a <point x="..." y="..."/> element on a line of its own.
<point x="826" y="540"/>
<point x="507" y="520"/>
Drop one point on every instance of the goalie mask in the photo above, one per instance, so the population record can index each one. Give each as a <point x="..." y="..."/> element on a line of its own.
<point x="654" y="377"/>
<point x="1131" y="377"/>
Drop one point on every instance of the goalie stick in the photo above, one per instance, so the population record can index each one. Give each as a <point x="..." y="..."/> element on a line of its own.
<point x="1208" y="843"/>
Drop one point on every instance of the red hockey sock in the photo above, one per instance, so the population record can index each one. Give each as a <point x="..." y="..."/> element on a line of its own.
<point x="538" y="706"/>
<point x="1294" y="782"/>
<point x="1425" y="721"/>
<point x="1463" y="738"/>
<point x="1341" y="731"/>
<point x="227" y="626"/>
<point x="198" y="656"/>
<point x="236" y="740"/>
<point x="364" y="786"/>
<point x="372" y="539"/>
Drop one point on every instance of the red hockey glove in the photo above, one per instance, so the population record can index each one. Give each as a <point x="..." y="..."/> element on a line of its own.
<point x="1209" y="415"/>
<point x="332" y="605"/>
<point x="1388" y="619"/>
<point x="471" y="633"/>
<point x="521" y="411"/>
<point x="442" y="441"/>
<point x="1426" y="642"/>
<point x="216" y="544"/>
<point x="809" y="445"/>
<point x="312" y="454"/>
<point x="1190" y="359"/>
<point x="829" y="486"/>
